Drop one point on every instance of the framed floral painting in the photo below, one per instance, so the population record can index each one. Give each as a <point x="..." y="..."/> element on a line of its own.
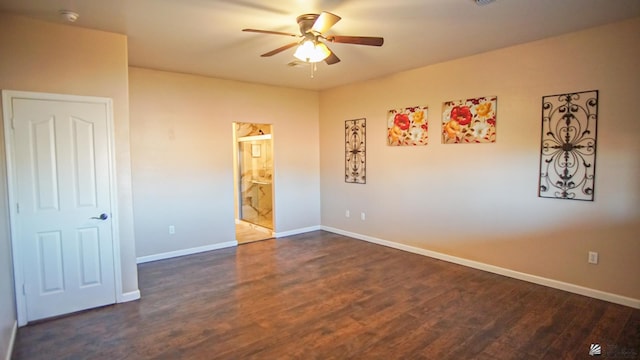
<point x="407" y="127"/>
<point x="469" y="121"/>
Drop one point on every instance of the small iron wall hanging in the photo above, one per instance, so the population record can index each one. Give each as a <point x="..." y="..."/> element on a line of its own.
<point x="568" y="146"/>
<point x="355" y="151"/>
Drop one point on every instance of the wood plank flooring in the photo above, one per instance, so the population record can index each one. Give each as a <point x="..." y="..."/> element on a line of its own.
<point x="324" y="296"/>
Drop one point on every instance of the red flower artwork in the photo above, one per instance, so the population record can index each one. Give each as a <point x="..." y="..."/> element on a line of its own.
<point x="469" y="121"/>
<point x="407" y="126"/>
<point x="461" y="114"/>
<point x="402" y="121"/>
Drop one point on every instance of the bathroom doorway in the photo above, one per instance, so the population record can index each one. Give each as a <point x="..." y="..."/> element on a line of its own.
<point x="254" y="176"/>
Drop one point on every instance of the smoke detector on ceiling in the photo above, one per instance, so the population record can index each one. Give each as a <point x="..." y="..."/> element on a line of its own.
<point x="483" y="2"/>
<point x="69" y="16"/>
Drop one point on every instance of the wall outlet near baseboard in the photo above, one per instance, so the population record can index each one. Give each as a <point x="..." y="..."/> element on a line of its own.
<point x="593" y="257"/>
<point x="362" y="216"/>
<point x="347" y="213"/>
<point x="172" y="229"/>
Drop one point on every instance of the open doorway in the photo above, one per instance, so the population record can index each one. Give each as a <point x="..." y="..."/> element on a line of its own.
<point x="253" y="174"/>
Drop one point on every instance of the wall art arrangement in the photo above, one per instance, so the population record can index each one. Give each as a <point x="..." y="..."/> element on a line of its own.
<point x="568" y="146"/>
<point x="355" y="151"/>
<point x="469" y="121"/>
<point x="407" y="127"/>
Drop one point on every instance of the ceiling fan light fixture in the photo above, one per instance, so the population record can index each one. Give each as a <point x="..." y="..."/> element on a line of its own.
<point x="312" y="51"/>
<point x="69" y="16"/>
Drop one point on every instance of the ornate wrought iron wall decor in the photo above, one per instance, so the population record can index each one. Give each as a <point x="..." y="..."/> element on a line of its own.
<point x="568" y="147"/>
<point x="355" y="151"/>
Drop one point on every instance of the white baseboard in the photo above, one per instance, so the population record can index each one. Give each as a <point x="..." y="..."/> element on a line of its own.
<point x="577" y="289"/>
<point x="183" y="252"/>
<point x="298" y="231"/>
<point x="12" y="340"/>
<point x="172" y="254"/>
<point x="129" y="296"/>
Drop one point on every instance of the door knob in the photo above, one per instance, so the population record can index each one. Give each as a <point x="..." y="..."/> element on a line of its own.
<point x="102" y="216"/>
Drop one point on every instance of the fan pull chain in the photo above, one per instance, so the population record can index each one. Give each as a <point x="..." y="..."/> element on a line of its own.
<point x="313" y="69"/>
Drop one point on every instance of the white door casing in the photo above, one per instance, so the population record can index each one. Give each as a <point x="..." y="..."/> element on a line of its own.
<point x="61" y="179"/>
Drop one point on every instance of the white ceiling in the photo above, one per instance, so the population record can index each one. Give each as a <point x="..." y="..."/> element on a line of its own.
<point x="204" y="36"/>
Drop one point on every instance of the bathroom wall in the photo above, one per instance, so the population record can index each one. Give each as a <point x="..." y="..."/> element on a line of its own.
<point x="256" y="178"/>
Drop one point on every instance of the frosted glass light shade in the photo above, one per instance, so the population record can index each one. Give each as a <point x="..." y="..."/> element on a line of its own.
<point x="310" y="51"/>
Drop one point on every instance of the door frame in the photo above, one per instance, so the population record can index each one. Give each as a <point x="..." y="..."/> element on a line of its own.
<point x="18" y="272"/>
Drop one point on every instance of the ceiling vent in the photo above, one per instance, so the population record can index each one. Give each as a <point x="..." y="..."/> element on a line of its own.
<point x="483" y="2"/>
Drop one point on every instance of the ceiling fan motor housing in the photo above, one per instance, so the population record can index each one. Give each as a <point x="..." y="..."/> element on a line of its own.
<point x="306" y="21"/>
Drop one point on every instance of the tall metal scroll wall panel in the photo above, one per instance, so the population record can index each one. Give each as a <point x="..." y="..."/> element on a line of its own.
<point x="568" y="146"/>
<point x="355" y="151"/>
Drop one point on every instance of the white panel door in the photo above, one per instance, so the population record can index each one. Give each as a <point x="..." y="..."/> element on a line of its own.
<point x="62" y="174"/>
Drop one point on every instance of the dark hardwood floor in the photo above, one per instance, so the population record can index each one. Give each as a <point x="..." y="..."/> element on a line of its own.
<point x="324" y="296"/>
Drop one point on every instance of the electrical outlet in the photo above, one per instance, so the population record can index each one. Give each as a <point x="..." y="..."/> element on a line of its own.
<point x="347" y="214"/>
<point x="593" y="257"/>
<point x="362" y="216"/>
<point x="172" y="229"/>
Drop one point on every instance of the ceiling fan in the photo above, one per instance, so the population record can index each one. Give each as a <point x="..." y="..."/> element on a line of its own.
<point x="311" y="48"/>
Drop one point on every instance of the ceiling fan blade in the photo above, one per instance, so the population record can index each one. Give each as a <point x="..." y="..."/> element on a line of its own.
<point x="280" y="49"/>
<point x="332" y="59"/>
<point x="358" y="40"/>
<point x="295" y="63"/>
<point x="324" y="22"/>
<point x="270" y="32"/>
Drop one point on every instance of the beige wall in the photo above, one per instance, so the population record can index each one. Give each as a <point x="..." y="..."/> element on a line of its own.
<point x="479" y="202"/>
<point x="182" y="156"/>
<point x="44" y="57"/>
